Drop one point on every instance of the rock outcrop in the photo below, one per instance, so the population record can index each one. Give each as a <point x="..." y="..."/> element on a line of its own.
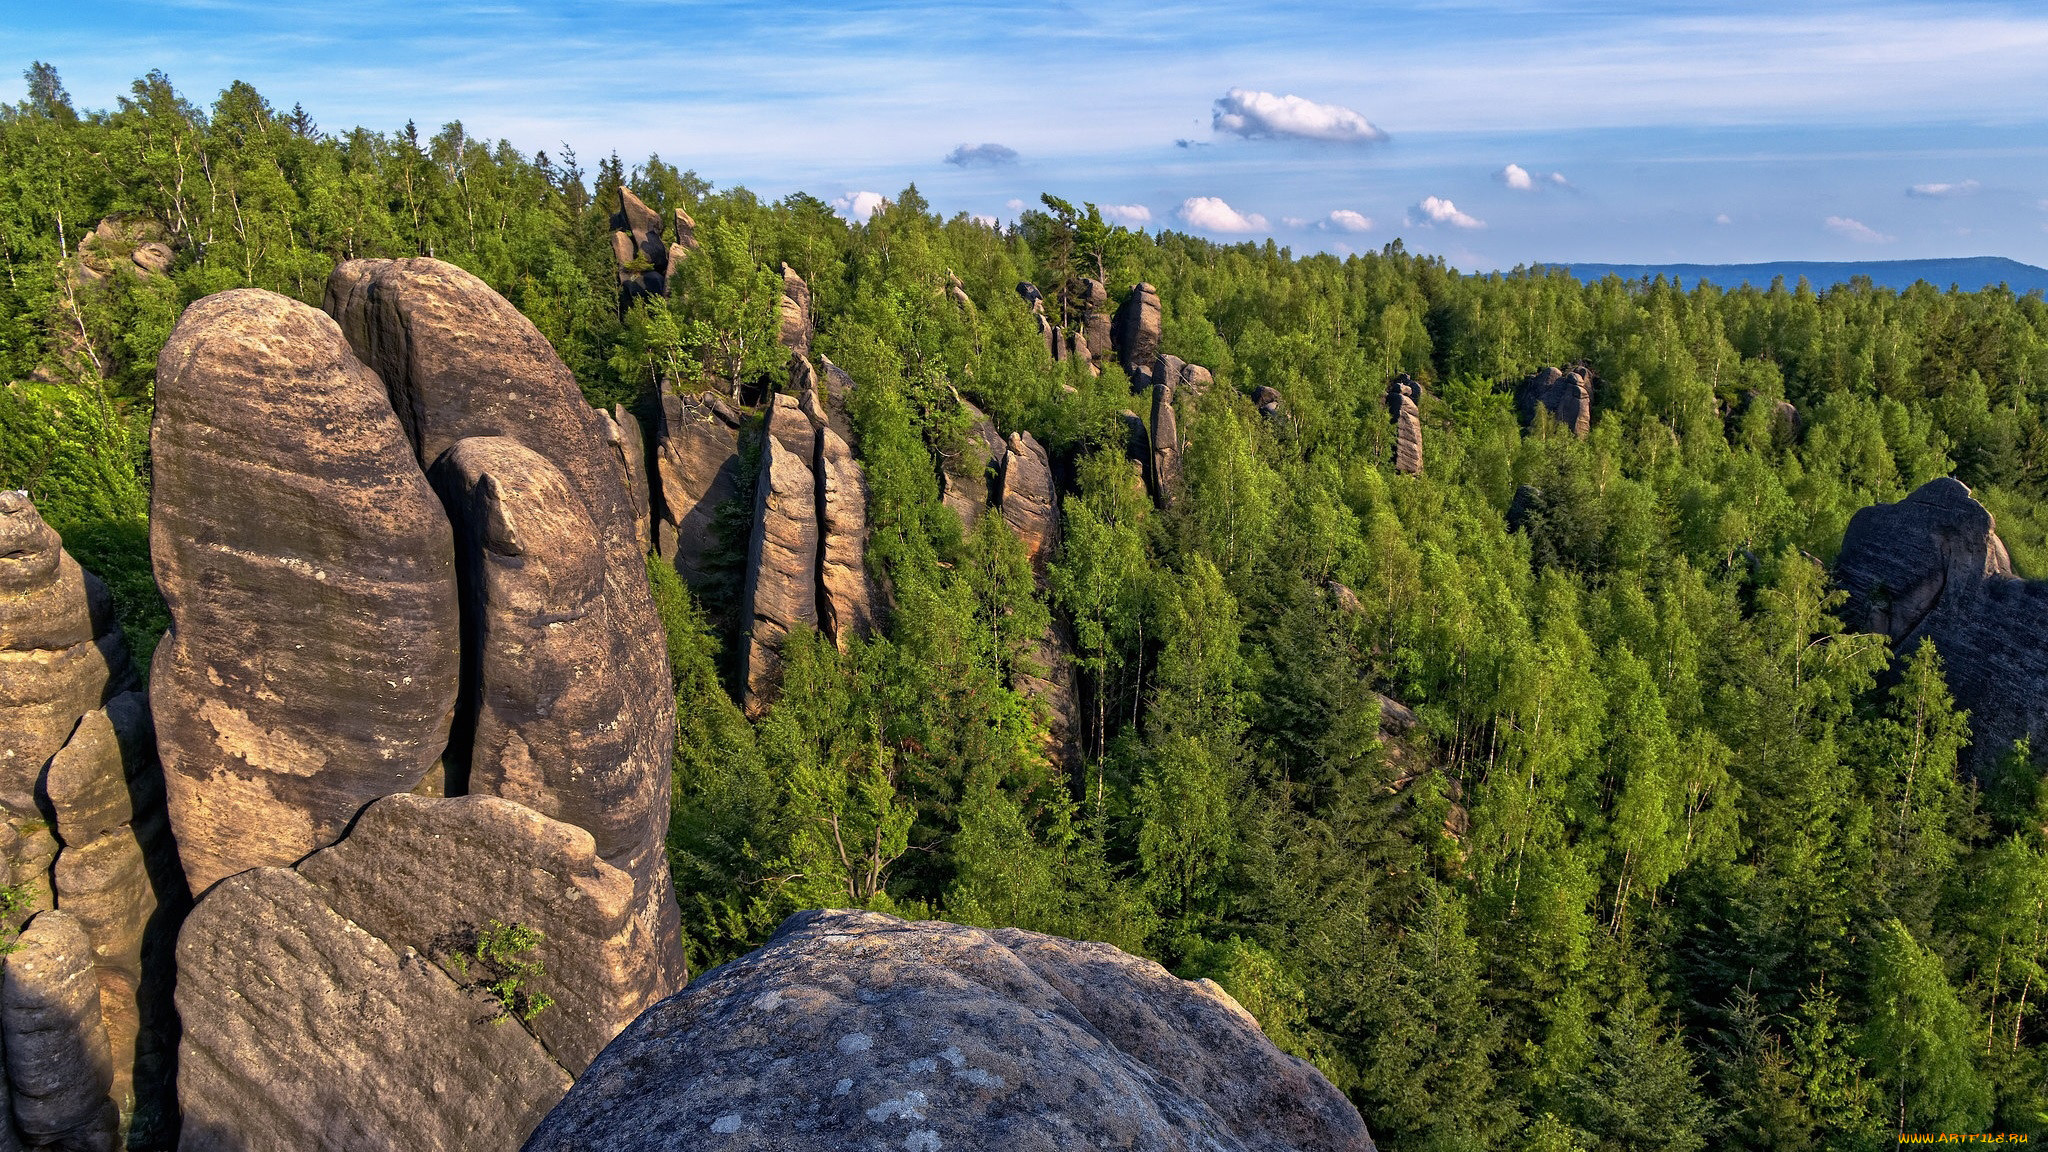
<point x="1931" y="567"/>
<point x="794" y="309"/>
<point x="848" y="603"/>
<point x="856" y="1030"/>
<point x="696" y="471"/>
<point x="118" y="244"/>
<point x="310" y="575"/>
<point x="1566" y="393"/>
<point x="1135" y="335"/>
<point x="782" y="557"/>
<point x="1026" y="497"/>
<point x="463" y="362"/>
<point x="1091" y="319"/>
<point x="305" y="1030"/>
<point x="629" y="444"/>
<point x="638" y="248"/>
<point x="1268" y="401"/>
<point x="60" y="1069"/>
<point x="1404" y="399"/>
<point x="964" y="472"/>
<point x="1162" y="471"/>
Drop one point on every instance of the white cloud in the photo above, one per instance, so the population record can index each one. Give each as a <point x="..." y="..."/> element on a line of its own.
<point x="1723" y="218"/>
<point x="1243" y="112"/>
<point x="1522" y="180"/>
<point x="1437" y="210"/>
<point x="1295" y="221"/>
<point x="1129" y="215"/>
<point x="858" y="206"/>
<point x="1345" y="220"/>
<point x="1942" y="191"/>
<point x="981" y="156"/>
<point x="1856" y="230"/>
<point x="1014" y="205"/>
<point x="1211" y="214"/>
<point x="985" y="220"/>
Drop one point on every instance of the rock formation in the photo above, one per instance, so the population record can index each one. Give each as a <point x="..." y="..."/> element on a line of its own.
<point x="1135" y="334"/>
<point x="782" y="559"/>
<point x="854" y="1029"/>
<point x="696" y="469"/>
<point x="1162" y="470"/>
<point x="60" y="1070"/>
<point x="120" y="243"/>
<point x="848" y="604"/>
<point x="1267" y="401"/>
<point x="964" y="472"/>
<point x="349" y="642"/>
<point x="1931" y="567"/>
<point x="638" y="248"/>
<point x="1026" y="497"/>
<point x="310" y="576"/>
<point x="795" y="312"/>
<point x="1404" y="399"/>
<point x="1091" y="319"/>
<point x="837" y="399"/>
<point x="1567" y="394"/>
<point x="629" y="444"/>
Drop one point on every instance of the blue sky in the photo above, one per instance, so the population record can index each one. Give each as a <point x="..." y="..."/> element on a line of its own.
<point x="1640" y="132"/>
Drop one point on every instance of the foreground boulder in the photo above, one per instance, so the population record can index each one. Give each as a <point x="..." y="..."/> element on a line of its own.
<point x="1931" y="567"/>
<point x="310" y="577"/>
<point x="60" y="1070"/>
<point x="858" y="1030"/>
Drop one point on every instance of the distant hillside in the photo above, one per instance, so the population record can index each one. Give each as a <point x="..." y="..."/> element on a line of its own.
<point x="1969" y="273"/>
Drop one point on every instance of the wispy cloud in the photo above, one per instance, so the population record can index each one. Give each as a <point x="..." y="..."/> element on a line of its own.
<point x="1212" y="214"/>
<point x="1437" y="210"/>
<point x="1345" y="220"/>
<point x="981" y="156"/>
<point x="1243" y="112"/>
<point x="1723" y="218"/>
<point x="1942" y="191"/>
<point x="858" y="206"/>
<point x="1856" y="230"/>
<point x="1129" y="215"/>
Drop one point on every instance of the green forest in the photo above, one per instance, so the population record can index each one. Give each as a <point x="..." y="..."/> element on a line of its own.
<point x="1670" y="860"/>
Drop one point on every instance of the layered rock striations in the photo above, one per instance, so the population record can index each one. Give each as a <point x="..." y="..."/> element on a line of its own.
<point x="696" y="472"/>
<point x="794" y="311"/>
<point x="1135" y="333"/>
<point x="855" y="1030"/>
<point x="349" y="641"/>
<point x="310" y="575"/>
<point x="1931" y="567"/>
<point x="1404" y="399"/>
<point x="781" y="592"/>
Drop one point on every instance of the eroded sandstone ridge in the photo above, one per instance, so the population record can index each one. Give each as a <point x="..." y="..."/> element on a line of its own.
<point x="1404" y="400"/>
<point x="1567" y="394"/>
<point x="856" y="1030"/>
<point x="83" y="830"/>
<point x="1932" y="567"/>
<point x="408" y="704"/>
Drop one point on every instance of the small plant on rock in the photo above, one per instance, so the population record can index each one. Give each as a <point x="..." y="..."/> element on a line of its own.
<point x="505" y="969"/>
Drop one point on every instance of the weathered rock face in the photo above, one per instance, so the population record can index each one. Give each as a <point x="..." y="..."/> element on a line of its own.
<point x="964" y="475"/>
<point x="1136" y="331"/>
<point x="305" y="1030"/>
<point x="59" y="1067"/>
<point x="795" y="311"/>
<point x="853" y="1029"/>
<point x="1932" y="567"/>
<point x="1195" y="379"/>
<point x="118" y="244"/>
<point x="637" y="246"/>
<point x="848" y="604"/>
<point x="1162" y="473"/>
<point x="697" y="463"/>
<point x="427" y="873"/>
<point x="1050" y="683"/>
<point x="630" y="446"/>
<point x="61" y="654"/>
<point x="116" y="872"/>
<point x="1026" y="497"/>
<point x="465" y="363"/>
<point x="1078" y="349"/>
<point x="838" y="399"/>
<point x="1092" y="321"/>
<point x="310" y="576"/>
<point x="1566" y="393"/>
<point x="1404" y="397"/>
<point x="782" y="557"/>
